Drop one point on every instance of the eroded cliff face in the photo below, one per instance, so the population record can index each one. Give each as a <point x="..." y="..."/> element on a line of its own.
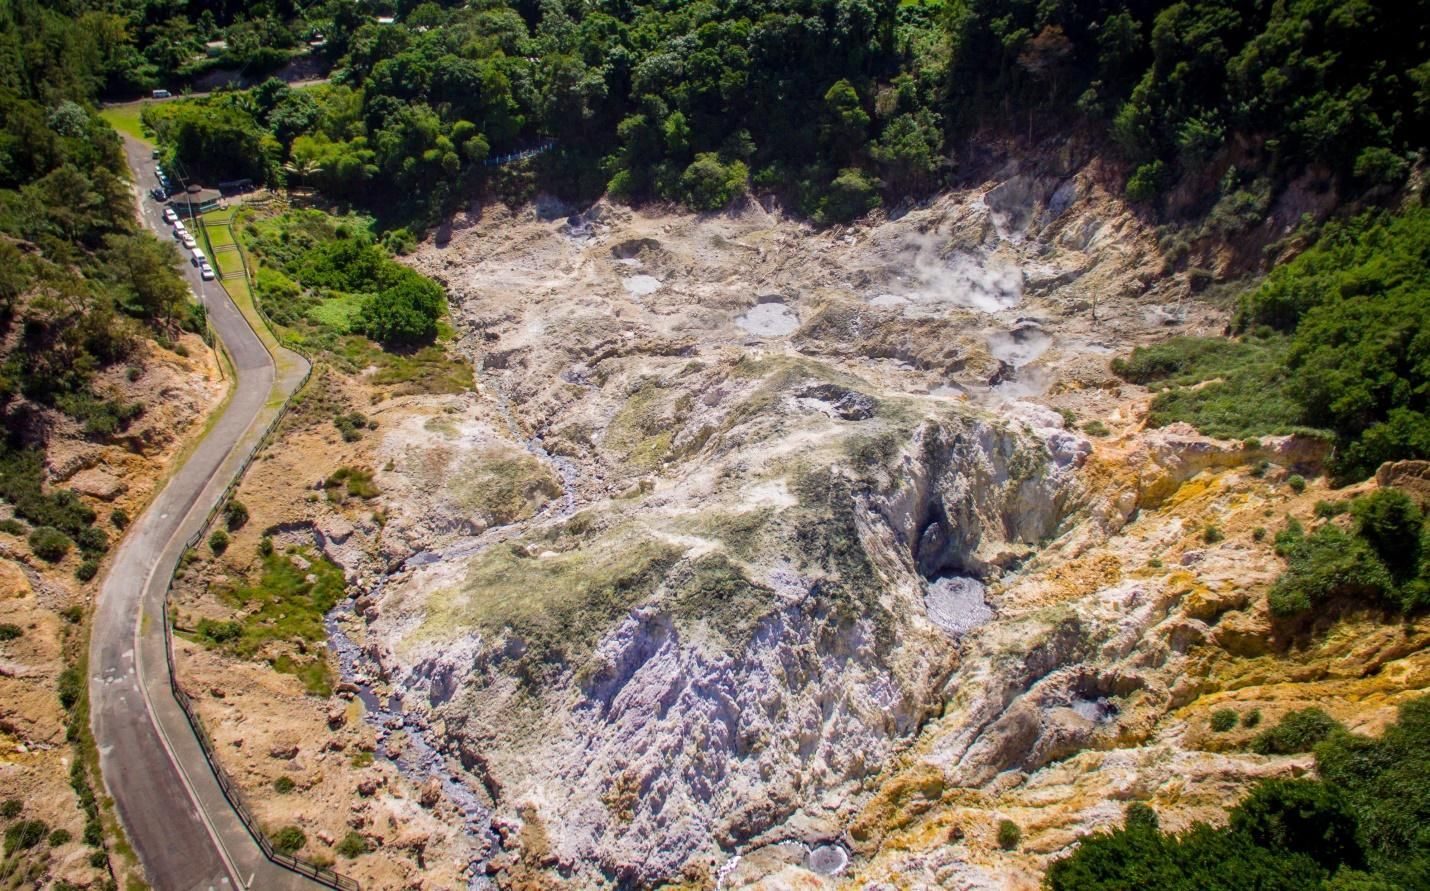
<point x="736" y="651"/>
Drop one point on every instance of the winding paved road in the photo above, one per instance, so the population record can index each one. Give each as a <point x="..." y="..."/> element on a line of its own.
<point x="186" y="834"/>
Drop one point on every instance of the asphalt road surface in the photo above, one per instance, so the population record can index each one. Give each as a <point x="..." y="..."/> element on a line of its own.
<point x="186" y="834"/>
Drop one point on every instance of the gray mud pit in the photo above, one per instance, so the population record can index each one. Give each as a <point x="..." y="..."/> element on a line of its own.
<point x="956" y="604"/>
<point x="641" y="285"/>
<point x="769" y="320"/>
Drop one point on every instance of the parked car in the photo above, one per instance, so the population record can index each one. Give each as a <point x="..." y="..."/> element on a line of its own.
<point x="170" y="217"/>
<point x="189" y="243"/>
<point x="198" y="256"/>
<point x="162" y="94"/>
<point x="206" y="271"/>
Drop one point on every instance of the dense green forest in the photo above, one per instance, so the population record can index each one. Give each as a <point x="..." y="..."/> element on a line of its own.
<point x="1336" y="341"/>
<point x="837" y="105"/>
<point x="1359" y="827"/>
<point x="80" y="283"/>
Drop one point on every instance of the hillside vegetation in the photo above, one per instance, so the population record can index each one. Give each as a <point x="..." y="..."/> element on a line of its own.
<point x="1360" y="826"/>
<point x="837" y="105"/>
<point x="80" y="283"/>
<point x="1334" y="340"/>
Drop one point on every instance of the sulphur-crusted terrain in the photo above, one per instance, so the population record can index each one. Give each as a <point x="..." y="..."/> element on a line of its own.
<point x="763" y="554"/>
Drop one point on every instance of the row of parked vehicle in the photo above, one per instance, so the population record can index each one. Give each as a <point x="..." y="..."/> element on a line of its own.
<point x="191" y="244"/>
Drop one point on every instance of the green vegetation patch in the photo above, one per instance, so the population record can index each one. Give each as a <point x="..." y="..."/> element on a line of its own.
<point x="714" y="592"/>
<point x="1360" y="826"/>
<point x="1225" y="388"/>
<point x="558" y="605"/>
<point x="1383" y="561"/>
<point x="1333" y="340"/>
<point x="1297" y="732"/>
<point x="504" y="485"/>
<point x="283" y="605"/>
<point x="642" y="430"/>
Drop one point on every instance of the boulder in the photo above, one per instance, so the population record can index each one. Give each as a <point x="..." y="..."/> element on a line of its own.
<point x="98" y="483"/>
<point x="431" y="793"/>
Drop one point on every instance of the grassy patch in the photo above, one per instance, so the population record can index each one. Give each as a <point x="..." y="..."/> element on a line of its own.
<point x="286" y="604"/>
<point x="558" y="606"/>
<point x="125" y="119"/>
<point x="355" y="481"/>
<point x="1226" y="388"/>
<point x="641" y="432"/>
<point x="504" y="486"/>
<point x="337" y="312"/>
<point x="714" y="592"/>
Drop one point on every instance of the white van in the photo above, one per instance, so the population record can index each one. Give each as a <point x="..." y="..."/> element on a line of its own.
<point x="162" y="94"/>
<point x="199" y="256"/>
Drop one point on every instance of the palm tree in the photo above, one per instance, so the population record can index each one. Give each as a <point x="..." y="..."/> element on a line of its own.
<point x="301" y="168"/>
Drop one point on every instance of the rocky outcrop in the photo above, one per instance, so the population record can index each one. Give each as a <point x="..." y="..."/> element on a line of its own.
<point x="682" y="735"/>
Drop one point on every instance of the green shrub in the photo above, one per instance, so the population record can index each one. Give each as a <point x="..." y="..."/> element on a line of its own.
<point x="284" y="785"/>
<point x="72" y="614"/>
<point x="707" y="184"/>
<point x="24" y="835"/>
<point x="1296" y="732"/>
<point x="12" y="527"/>
<point x="265" y="546"/>
<point x="1327" y="564"/>
<point x="1009" y="835"/>
<point x="1393" y="525"/>
<point x="218" y="541"/>
<point x="92" y="540"/>
<point x="1211" y="534"/>
<point x="1147" y="181"/>
<point x="119" y="517"/>
<point x="1325" y="510"/>
<point x="352" y="845"/>
<point x="87" y="570"/>
<point x="10" y="631"/>
<point x="403" y="314"/>
<point x="11" y="808"/>
<point x="219" y="632"/>
<point x="71" y="687"/>
<point x="99" y="859"/>
<point x="1223" y="719"/>
<point x="1095" y="428"/>
<point x="21" y="484"/>
<point x="1251" y="718"/>
<point x="289" y="839"/>
<point x="1258" y="534"/>
<point x="851" y="195"/>
<point x="49" y="543"/>
<point x="60" y="837"/>
<point x="235" y="514"/>
<point x="351" y="425"/>
<point x="1297" y="482"/>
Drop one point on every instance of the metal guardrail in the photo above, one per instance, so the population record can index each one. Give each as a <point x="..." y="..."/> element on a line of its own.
<point x="513" y="157"/>
<point x="320" y="874"/>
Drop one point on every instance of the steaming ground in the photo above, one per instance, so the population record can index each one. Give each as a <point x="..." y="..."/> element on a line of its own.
<point x="993" y="294"/>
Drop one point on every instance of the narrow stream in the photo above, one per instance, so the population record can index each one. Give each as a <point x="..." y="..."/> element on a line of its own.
<point x="417" y="758"/>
